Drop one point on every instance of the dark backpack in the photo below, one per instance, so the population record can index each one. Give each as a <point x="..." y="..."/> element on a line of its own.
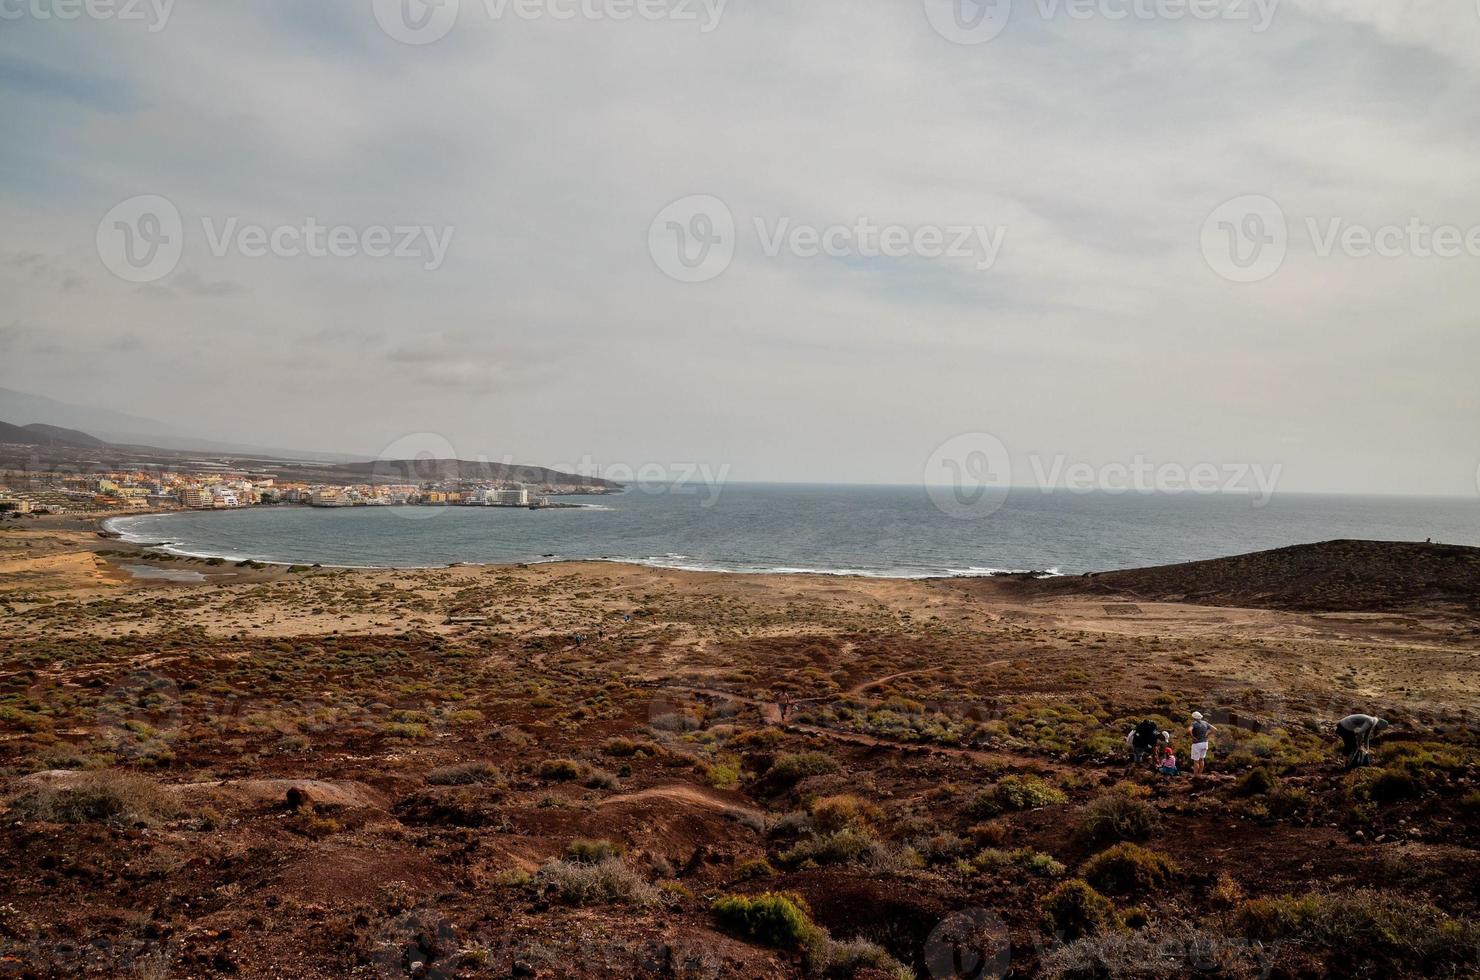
<point x="1146" y="734"/>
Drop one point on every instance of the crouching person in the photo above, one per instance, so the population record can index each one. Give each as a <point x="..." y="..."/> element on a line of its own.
<point x="1356" y="733"/>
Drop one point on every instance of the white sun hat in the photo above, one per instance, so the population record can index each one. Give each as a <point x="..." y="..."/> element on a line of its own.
<point x="1197" y="716"/>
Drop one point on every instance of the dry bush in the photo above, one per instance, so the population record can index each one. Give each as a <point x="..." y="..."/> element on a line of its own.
<point x="1163" y="952"/>
<point x="834" y="813"/>
<point x="464" y="774"/>
<point x="1368" y="927"/>
<point x="106" y="796"/>
<point x="606" y="883"/>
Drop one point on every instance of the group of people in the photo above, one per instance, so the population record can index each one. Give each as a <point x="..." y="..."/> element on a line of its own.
<point x="1147" y="740"/>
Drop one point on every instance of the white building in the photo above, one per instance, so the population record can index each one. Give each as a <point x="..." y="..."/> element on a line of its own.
<point x="511" y="497"/>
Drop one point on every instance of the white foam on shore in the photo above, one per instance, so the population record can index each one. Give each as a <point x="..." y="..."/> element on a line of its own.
<point x="684" y="563"/>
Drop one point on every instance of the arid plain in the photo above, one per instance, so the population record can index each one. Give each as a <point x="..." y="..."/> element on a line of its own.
<point x="584" y="769"/>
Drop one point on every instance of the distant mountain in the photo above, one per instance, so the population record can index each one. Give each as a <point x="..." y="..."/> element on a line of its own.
<point x="430" y="470"/>
<point x="50" y="436"/>
<point x="23" y="407"/>
<point x="121" y="429"/>
<point x="55" y="435"/>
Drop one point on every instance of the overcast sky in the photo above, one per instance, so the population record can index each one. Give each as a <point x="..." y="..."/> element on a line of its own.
<point x="1097" y="148"/>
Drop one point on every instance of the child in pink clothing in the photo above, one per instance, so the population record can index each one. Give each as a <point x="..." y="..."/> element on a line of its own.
<point x="1166" y="760"/>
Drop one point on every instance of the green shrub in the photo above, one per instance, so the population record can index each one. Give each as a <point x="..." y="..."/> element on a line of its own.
<point x="1128" y="868"/>
<point x="754" y="869"/>
<point x="1034" y="862"/>
<point x="586" y="851"/>
<point x="1012" y="793"/>
<point x="1255" y="782"/>
<point x="845" y="846"/>
<point x="795" y="766"/>
<point x="1116" y="817"/>
<point x="779" y="919"/>
<point x="1382" y="786"/>
<point x="724" y="773"/>
<point x="1074" y="909"/>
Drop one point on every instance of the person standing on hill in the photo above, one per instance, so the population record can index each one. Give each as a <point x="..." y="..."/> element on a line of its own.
<point x="1356" y="733"/>
<point x="1200" y="731"/>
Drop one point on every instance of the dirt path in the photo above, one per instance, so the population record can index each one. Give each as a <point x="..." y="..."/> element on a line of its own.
<point x="860" y="688"/>
<point x="687" y="794"/>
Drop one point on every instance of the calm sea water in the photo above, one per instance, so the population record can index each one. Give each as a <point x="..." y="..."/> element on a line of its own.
<point x="885" y="531"/>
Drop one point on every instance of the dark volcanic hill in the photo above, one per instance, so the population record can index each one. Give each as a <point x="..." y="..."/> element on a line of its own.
<point x="1361" y="576"/>
<point x="38" y="434"/>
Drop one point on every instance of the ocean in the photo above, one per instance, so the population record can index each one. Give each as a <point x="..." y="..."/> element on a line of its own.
<point x="844" y="530"/>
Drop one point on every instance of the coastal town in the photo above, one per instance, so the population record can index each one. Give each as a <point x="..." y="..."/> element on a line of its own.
<point x="30" y="493"/>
